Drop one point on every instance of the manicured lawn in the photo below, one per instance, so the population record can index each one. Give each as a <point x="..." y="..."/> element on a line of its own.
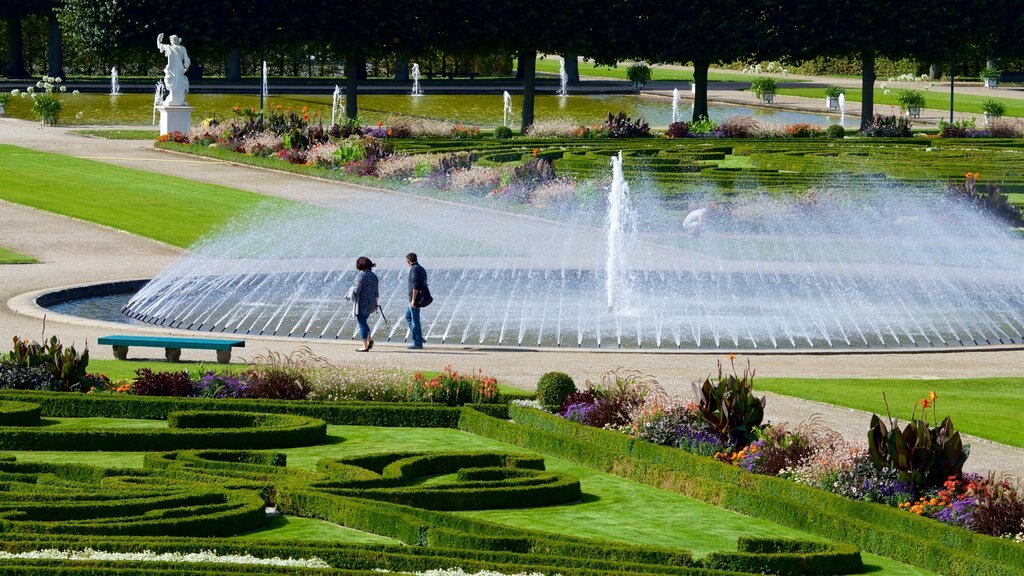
<point x="966" y="103"/>
<point x="164" y="208"/>
<point x="657" y="72"/>
<point x="612" y="508"/>
<point x="119" y="370"/>
<point x="121" y="134"/>
<point x="986" y="407"/>
<point x="9" y="257"/>
<point x="295" y="528"/>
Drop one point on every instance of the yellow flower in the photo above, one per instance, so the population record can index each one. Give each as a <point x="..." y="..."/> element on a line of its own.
<point x="932" y="396"/>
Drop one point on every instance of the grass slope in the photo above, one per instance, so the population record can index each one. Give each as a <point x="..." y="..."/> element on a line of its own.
<point x="121" y="134"/>
<point x="966" y="103"/>
<point x="9" y="257"/>
<point x="164" y="208"/>
<point x="657" y="72"/>
<point x="986" y="407"/>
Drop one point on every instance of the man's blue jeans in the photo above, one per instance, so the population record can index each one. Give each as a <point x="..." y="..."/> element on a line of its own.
<point x="412" y="318"/>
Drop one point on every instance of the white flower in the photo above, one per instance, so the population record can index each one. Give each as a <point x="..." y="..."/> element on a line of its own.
<point x="63" y="88"/>
<point x="75" y="92"/>
<point x="57" y="80"/>
<point x="31" y="90"/>
<point x="39" y="84"/>
<point x="15" y="92"/>
<point x="148" y="556"/>
<point x="79" y="115"/>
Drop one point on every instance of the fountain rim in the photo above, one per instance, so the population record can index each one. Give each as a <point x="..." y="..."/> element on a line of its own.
<point x="33" y="304"/>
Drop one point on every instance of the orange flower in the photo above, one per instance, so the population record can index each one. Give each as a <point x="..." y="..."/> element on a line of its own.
<point x="925" y="403"/>
<point x="732" y="357"/>
<point x="535" y="152"/>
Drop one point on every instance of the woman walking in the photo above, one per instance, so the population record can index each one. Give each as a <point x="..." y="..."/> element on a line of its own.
<point x="364" y="296"/>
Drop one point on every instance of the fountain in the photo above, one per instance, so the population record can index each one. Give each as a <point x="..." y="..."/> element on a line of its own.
<point x="563" y="79"/>
<point x="337" y="105"/>
<point x="416" y="90"/>
<point x="878" y="267"/>
<point x="675" y="105"/>
<point x="115" y="86"/>
<point x="842" y="110"/>
<point x="158" y="98"/>
<point x="264" y="90"/>
<point x="506" y="112"/>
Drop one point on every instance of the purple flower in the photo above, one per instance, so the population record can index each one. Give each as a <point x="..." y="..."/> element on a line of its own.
<point x="579" y="412"/>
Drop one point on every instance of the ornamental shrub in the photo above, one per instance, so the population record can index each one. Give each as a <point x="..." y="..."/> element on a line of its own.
<point x="887" y="127"/>
<point x="553" y="388"/>
<point x="835" y="131"/>
<point x="678" y="130"/>
<point x="15" y="377"/>
<point x="149" y="383"/>
<point x="277" y="382"/>
<point x="502" y="133"/>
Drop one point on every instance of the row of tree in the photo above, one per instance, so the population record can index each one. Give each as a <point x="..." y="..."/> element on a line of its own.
<point x="665" y="31"/>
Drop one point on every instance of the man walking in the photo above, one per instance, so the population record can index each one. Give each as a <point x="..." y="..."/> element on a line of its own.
<point x="417" y="285"/>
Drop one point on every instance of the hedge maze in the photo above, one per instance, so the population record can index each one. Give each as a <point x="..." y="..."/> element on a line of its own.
<point x="776" y="166"/>
<point x="192" y="498"/>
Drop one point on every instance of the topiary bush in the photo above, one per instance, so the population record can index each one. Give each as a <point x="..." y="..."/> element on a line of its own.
<point x="553" y="388"/>
<point x="835" y="131"/>
<point x="502" y="133"/>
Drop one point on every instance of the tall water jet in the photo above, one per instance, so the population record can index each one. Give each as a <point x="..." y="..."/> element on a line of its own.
<point x="675" y="105"/>
<point x="264" y="90"/>
<point x="842" y="110"/>
<point x="115" y="85"/>
<point x="506" y="113"/>
<point x="336" y="105"/>
<point x="563" y="79"/>
<point x="620" y="231"/>
<point x="158" y="98"/>
<point x="416" y="90"/>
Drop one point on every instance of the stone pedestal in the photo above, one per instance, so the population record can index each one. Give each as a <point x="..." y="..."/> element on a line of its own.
<point x="175" y="119"/>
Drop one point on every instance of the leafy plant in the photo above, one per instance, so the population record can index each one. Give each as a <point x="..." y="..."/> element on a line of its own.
<point x="990" y="73"/>
<point x="46" y="101"/>
<point x="763" y="85"/>
<point x="66" y="366"/>
<point x="639" y="74"/>
<point x="993" y="108"/>
<point x="923" y="455"/>
<point x="5" y="97"/>
<point x="553" y="388"/>
<point x="803" y="130"/>
<point x="835" y="131"/>
<point x="502" y="133"/>
<point x="678" y="130"/>
<point x="149" y="383"/>
<point x="17" y="377"/>
<point x="533" y="171"/>
<point x="730" y="407"/>
<point x="454" y="389"/>
<point x="278" y="382"/>
<point x="910" y="99"/>
<point x="834" y="91"/>
<point x="887" y="127"/>
<point x="349" y="151"/>
<point x="703" y="126"/>
<point x="621" y="126"/>
<point x="962" y="128"/>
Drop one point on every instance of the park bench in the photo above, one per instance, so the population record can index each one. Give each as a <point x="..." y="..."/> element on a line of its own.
<point x="172" y="346"/>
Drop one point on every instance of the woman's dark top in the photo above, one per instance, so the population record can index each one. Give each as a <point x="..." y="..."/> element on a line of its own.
<point x="366" y="293"/>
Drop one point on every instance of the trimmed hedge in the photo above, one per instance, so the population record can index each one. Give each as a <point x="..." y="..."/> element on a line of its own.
<point x="72" y="405"/>
<point x="249" y="430"/>
<point x="873" y="527"/>
<point x="13" y="413"/>
<point x="787" y="557"/>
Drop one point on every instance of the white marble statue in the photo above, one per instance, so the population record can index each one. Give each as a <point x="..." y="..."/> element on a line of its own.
<point x="174" y="74"/>
<point x="694" y="221"/>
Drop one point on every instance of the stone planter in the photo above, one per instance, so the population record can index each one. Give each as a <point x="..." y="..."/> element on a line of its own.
<point x="991" y="82"/>
<point x="2" y="111"/>
<point x="767" y="97"/>
<point x="833" y="103"/>
<point x="914" y="111"/>
<point x="48" y="120"/>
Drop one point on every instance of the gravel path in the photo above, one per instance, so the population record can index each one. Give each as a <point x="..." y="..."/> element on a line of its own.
<point x="74" y="252"/>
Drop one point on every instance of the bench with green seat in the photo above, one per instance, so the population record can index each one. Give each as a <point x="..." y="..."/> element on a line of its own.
<point x="172" y="345"/>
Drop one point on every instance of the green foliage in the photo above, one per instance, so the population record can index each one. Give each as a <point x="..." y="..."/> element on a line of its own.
<point x="349" y="151"/>
<point x="64" y="364"/>
<point x="787" y="558"/>
<point x="762" y="85"/>
<point x="730" y="406"/>
<point x="834" y="91"/>
<point x="993" y="108"/>
<point x="991" y="74"/>
<point x="639" y="74"/>
<point x="502" y="133"/>
<point x="13" y="413"/>
<point x="835" y="131"/>
<point x="887" y="127"/>
<point x="553" y="388"/>
<point x="910" y="99"/>
<point x="924" y="455"/>
<point x="454" y="389"/>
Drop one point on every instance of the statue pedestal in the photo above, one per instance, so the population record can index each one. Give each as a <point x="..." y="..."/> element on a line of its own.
<point x="175" y="119"/>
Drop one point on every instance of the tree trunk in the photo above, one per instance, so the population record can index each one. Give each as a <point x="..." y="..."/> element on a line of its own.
<point x="528" y="61"/>
<point x="521" y="66"/>
<point x="362" y="68"/>
<point x="572" y="68"/>
<point x="401" y="68"/>
<point x="353" y="63"/>
<point x="15" y="66"/>
<point x="700" y="80"/>
<point x="55" y="48"/>
<point x="233" y="66"/>
<point x="867" y="88"/>
<point x="934" y="72"/>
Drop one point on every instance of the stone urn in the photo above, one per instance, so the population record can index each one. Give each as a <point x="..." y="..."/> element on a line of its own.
<point x="769" y="97"/>
<point x="991" y="82"/>
<point x="914" y="111"/>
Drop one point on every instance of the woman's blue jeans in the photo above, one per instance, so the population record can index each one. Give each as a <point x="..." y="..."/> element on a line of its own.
<point x="364" y="328"/>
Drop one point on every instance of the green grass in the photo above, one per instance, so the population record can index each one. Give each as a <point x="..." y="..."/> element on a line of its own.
<point x="164" y="208"/>
<point x="10" y="257"/>
<point x="612" y="508"/>
<point x="966" y="103"/>
<point x="657" y="72"/>
<point x="985" y="407"/>
<point x="282" y="528"/>
<point x="120" y="370"/>
<point x="120" y="134"/>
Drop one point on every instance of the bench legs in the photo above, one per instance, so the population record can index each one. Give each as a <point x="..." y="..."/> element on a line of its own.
<point x="224" y="356"/>
<point x="121" y="352"/>
<point x="172" y="354"/>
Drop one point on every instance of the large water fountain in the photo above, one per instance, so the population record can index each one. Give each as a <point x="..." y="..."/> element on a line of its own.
<point x="872" y="269"/>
